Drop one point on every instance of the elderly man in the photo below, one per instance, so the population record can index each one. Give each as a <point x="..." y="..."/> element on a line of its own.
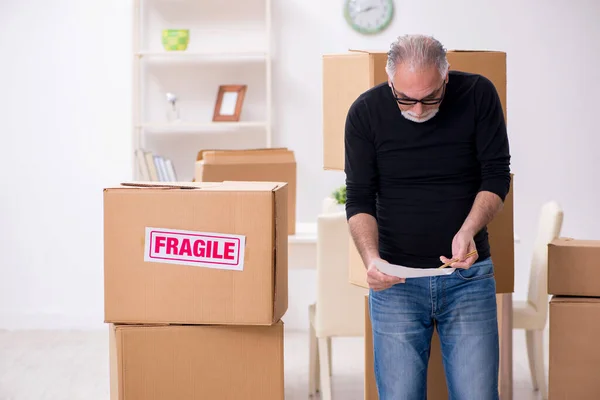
<point x="427" y="168"/>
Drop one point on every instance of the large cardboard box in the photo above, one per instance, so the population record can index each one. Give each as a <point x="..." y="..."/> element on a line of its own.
<point x="436" y="378"/>
<point x="348" y="75"/>
<point x="574" y="371"/>
<point x="574" y="267"/>
<point x="345" y="77"/>
<point x="196" y="362"/>
<point x="196" y="253"/>
<point x="271" y="165"/>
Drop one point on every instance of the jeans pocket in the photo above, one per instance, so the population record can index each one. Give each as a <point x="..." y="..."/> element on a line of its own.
<point x="480" y="270"/>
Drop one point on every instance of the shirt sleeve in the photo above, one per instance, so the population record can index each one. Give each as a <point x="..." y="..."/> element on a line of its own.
<point x="360" y="162"/>
<point x="492" y="143"/>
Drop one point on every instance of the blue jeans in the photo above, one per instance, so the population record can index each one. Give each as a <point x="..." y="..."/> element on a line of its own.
<point x="462" y="307"/>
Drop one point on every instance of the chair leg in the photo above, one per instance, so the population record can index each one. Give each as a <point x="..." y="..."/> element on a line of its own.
<point x="313" y="360"/>
<point x="330" y="352"/>
<point x="529" y="335"/>
<point x="540" y="370"/>
<point x="324" y="369"/>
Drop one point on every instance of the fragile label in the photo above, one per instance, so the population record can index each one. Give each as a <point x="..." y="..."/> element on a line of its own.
<point x="199" y="249"/>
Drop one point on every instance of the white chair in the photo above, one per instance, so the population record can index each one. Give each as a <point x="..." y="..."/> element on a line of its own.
<point x="532" y="315"/>
<point x="339" y="309"/>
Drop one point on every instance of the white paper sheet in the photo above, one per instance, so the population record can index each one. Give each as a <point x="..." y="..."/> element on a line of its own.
<point x="406" y="272"/>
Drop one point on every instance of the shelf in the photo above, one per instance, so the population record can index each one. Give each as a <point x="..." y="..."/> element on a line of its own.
<point x="199" y="56"/>
<point x="230" y="43"/>
<point x="183" y="127"/>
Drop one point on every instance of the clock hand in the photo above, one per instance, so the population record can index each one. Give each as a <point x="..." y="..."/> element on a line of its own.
<point x="366" y="9"/>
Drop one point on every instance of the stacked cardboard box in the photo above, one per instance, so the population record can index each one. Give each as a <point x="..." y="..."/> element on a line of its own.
<point x="272" y="165"/>
<point x="345" y="77"/>
<point x="573" y="282"/>
<point x="195" y="289"/>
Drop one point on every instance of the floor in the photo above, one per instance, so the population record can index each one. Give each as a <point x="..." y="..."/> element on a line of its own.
<point x="61" y="365"/>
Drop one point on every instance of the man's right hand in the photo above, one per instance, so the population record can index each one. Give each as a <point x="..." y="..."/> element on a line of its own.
<point x="377" y="280"/>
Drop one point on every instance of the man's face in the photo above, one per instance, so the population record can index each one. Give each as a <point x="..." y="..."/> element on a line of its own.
<point x="418" y="93"/>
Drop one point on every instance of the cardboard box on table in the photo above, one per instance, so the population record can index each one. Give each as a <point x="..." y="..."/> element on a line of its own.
<point x="345" y="77"/>
<point x="196" y="253"/>
<point x="272" y="165"/>
<point x="573" y="276"/>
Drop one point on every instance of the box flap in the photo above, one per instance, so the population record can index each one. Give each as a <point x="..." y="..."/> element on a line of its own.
<point x="225" y="186"/>
<point x="170" y="185"/>
<point x="280" y="253"/>
<point x="474" y="51"/>
<point x="367" y="51"/>
<point x="249" y="156"/>
<point x="570" y="242"/>
<point x="355" y="52"/>
<point x="574" y="300"/>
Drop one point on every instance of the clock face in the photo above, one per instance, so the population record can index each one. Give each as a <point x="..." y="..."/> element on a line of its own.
<point x="369" y="16"/>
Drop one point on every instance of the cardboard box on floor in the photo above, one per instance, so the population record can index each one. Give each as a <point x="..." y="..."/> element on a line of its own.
<point x="574" y="267"/>
<point x="196" y="362"/>
<point x="574" y="369"/>
<point x="436" y="378"/>
<point x="272" y="165"/>
<point x="196" y="253"/>
<point x="347" y="75"/>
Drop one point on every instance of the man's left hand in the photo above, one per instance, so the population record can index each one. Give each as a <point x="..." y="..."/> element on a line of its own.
<point x="462" y="244"/>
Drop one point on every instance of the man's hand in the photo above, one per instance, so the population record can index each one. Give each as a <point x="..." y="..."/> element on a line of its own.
<point x="377" y="280"/>
<point x="462" y="244"/>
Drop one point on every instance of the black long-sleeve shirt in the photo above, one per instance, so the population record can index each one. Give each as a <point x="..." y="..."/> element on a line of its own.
<point x="419" y="180"/>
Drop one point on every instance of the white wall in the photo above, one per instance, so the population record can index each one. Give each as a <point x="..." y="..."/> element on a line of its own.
<point x="65" y="128"/>
<point x="65" y="116"/>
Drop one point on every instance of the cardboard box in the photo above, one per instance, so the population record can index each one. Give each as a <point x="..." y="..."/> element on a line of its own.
<point x="196" y="362"/>
<point x="196" y="253"/>
<point x="347" y="75"/>
<point x="501" y="238"/>
<point x="436" y="378"/>
<point x="574" y="267"/>
<point x="271" y="165"/>
<point x="491" y="64"/>
<point x="574" y="352"/>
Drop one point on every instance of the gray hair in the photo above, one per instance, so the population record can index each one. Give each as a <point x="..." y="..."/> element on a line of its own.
<point x="418" y="51"/>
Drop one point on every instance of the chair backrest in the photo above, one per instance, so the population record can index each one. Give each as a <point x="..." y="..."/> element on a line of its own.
<point x="330" y="205"/>
<point x="340" y="305"/>
<point x="549" y="227"/>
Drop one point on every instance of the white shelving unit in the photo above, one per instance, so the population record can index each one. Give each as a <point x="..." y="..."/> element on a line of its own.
<point x="230" y="44"/>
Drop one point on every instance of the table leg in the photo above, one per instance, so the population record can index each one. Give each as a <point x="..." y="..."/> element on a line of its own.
<point x="506" y="345"/>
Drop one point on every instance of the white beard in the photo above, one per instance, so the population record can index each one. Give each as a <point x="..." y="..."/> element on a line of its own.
<point x="409" y="115"/>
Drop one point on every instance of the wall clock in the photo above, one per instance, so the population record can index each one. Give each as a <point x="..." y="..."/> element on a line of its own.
<point x="369" y="16"/>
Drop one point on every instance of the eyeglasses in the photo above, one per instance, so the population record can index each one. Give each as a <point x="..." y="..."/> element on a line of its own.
<point x="426" y="102"/>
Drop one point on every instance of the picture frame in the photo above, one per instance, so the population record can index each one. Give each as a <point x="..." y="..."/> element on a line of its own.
<point x="230" y="99"/>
